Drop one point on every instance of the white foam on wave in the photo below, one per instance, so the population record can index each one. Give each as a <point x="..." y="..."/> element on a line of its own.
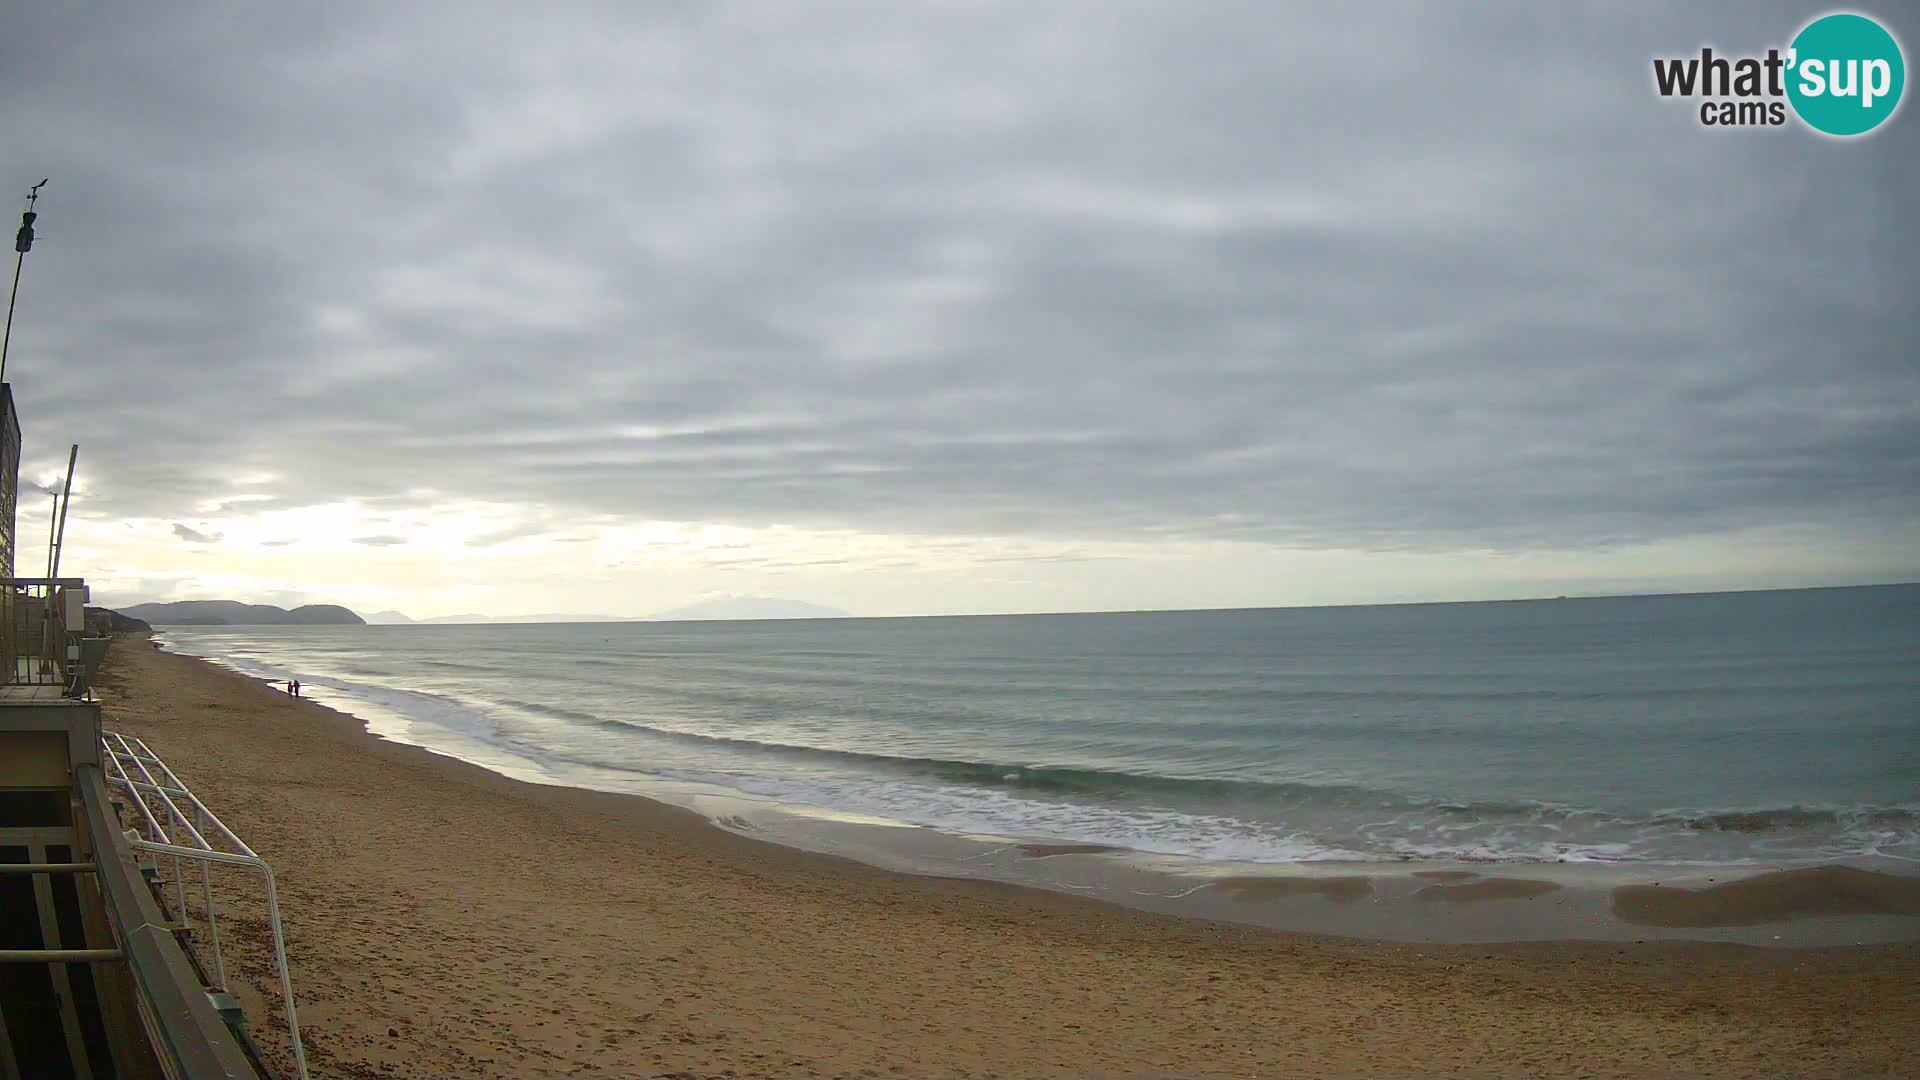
<point x="997" y="813"/>
<point x="471" y="728"/>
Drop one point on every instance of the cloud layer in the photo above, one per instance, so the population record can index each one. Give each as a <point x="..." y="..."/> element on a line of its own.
<point x="1405" y="279"/>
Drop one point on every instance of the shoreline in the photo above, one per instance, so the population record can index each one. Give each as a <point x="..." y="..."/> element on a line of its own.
<point x="445" y="919"/>
<point x="1787" y="904"/>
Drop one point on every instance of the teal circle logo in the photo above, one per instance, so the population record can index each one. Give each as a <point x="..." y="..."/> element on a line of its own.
<point x="1845" y="74"/>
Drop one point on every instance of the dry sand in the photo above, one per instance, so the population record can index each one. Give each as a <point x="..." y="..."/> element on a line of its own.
<point x="446" y="921"/>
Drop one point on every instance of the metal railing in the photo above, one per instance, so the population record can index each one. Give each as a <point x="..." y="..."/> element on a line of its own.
<point x="174" y="824"/>
<point x="181" y="1022"/>
<point x="42" y="621"/>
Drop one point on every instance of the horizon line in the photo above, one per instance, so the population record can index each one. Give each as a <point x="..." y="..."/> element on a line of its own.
<point x="496" y="619"/>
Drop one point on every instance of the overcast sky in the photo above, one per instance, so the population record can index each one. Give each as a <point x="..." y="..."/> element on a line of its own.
<point x="919" y="308"/>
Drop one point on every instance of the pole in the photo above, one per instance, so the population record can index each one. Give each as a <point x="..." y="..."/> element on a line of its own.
<point x="22" y="243"/>
<point x="53" y="522"/>
<point x="66" y="500"/>
<point x="18" y="261"/>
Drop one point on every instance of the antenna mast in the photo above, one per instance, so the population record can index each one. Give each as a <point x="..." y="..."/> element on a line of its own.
<point x="66" y="500"/>
<point x="53" y="523"/>
<point x="22" y="243"/>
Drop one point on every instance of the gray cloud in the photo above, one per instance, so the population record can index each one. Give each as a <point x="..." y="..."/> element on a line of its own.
<point x="194" y="536"/>
<point x="1401" y="278"/>
<point x="380" y="541"/>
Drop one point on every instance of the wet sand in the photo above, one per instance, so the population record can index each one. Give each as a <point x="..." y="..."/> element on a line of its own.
<point x="1787" y="894"/>
<point x="1497" y="888"/>
<point x="1343" y="889"/>
<point x="1048" y="851"/>
<point x="448" y="921"/>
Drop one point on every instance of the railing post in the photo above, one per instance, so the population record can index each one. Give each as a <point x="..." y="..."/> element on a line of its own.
<point x="213" y="924"/>
<point x="286" y="977"/>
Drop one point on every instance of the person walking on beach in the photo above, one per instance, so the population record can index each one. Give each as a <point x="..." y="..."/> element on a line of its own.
<point x="294" y="688"/>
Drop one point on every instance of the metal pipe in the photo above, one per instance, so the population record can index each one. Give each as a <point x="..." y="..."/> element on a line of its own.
<point x="213" y="923"/>
<point x="57" y="956"/>
<point x="146" y="813"/>
<point x="286" y="978"/>
<point x="53" y="522"/>
<point x="222" y="857"/>
<point x="273" y="925"/>
<point x="66" y="500"/>
<point x="47" y="868"/>
<point x="183" y="789"/>
<point x="19" y="261"/>
<point x="175" y="1012"/>
<point x="157" y="788"/>
<point x="119" y="776"/>
<point x="172" y="808"/>
<point x="119" y="750"/>
<point x="177" y="817"/>
<point x="146" y="816"/>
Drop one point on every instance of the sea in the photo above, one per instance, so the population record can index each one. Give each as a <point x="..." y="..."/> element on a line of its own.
<point x="1757" y="729"/>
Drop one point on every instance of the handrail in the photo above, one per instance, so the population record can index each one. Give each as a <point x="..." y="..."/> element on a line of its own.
<point x="57" y="956"/>
<point x="194" y="846"/>
<point x="185" y="1029"/>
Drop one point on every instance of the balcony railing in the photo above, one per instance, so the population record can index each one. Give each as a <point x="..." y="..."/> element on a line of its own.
<point x="42" y="624"/>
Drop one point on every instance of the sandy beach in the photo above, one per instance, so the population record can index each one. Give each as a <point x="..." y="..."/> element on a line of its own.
<point x="447" y="921"/>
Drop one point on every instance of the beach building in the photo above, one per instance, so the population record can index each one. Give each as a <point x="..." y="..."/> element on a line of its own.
<point x="102" y="971"/>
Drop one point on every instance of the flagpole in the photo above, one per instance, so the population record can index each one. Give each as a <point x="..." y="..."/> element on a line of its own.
<point x="53" y="524"/>
<point x="22" y="243"/>
<point x="66" y="500"/>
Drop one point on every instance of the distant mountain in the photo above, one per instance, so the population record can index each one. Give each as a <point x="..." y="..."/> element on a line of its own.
<point x="748" y="607"/>
<point x="552" y="618"/>
<point x="470" y="618"/>
<point x="234" y="613"/>
<point x="387" y="618"/>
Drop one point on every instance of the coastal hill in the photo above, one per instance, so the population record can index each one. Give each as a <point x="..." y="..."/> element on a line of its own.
<point x="234" y="613"/>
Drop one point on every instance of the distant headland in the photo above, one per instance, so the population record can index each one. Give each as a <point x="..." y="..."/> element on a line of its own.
<point x="235" y="613"/>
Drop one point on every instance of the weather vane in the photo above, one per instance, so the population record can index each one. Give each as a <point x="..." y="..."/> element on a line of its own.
<point x="22" y="243"/>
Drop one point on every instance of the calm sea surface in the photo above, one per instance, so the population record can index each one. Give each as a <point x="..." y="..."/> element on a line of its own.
<point x="1729" y="728"/>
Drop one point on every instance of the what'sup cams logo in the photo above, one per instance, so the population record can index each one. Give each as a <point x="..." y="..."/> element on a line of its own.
<point x="1842" y="76"/>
